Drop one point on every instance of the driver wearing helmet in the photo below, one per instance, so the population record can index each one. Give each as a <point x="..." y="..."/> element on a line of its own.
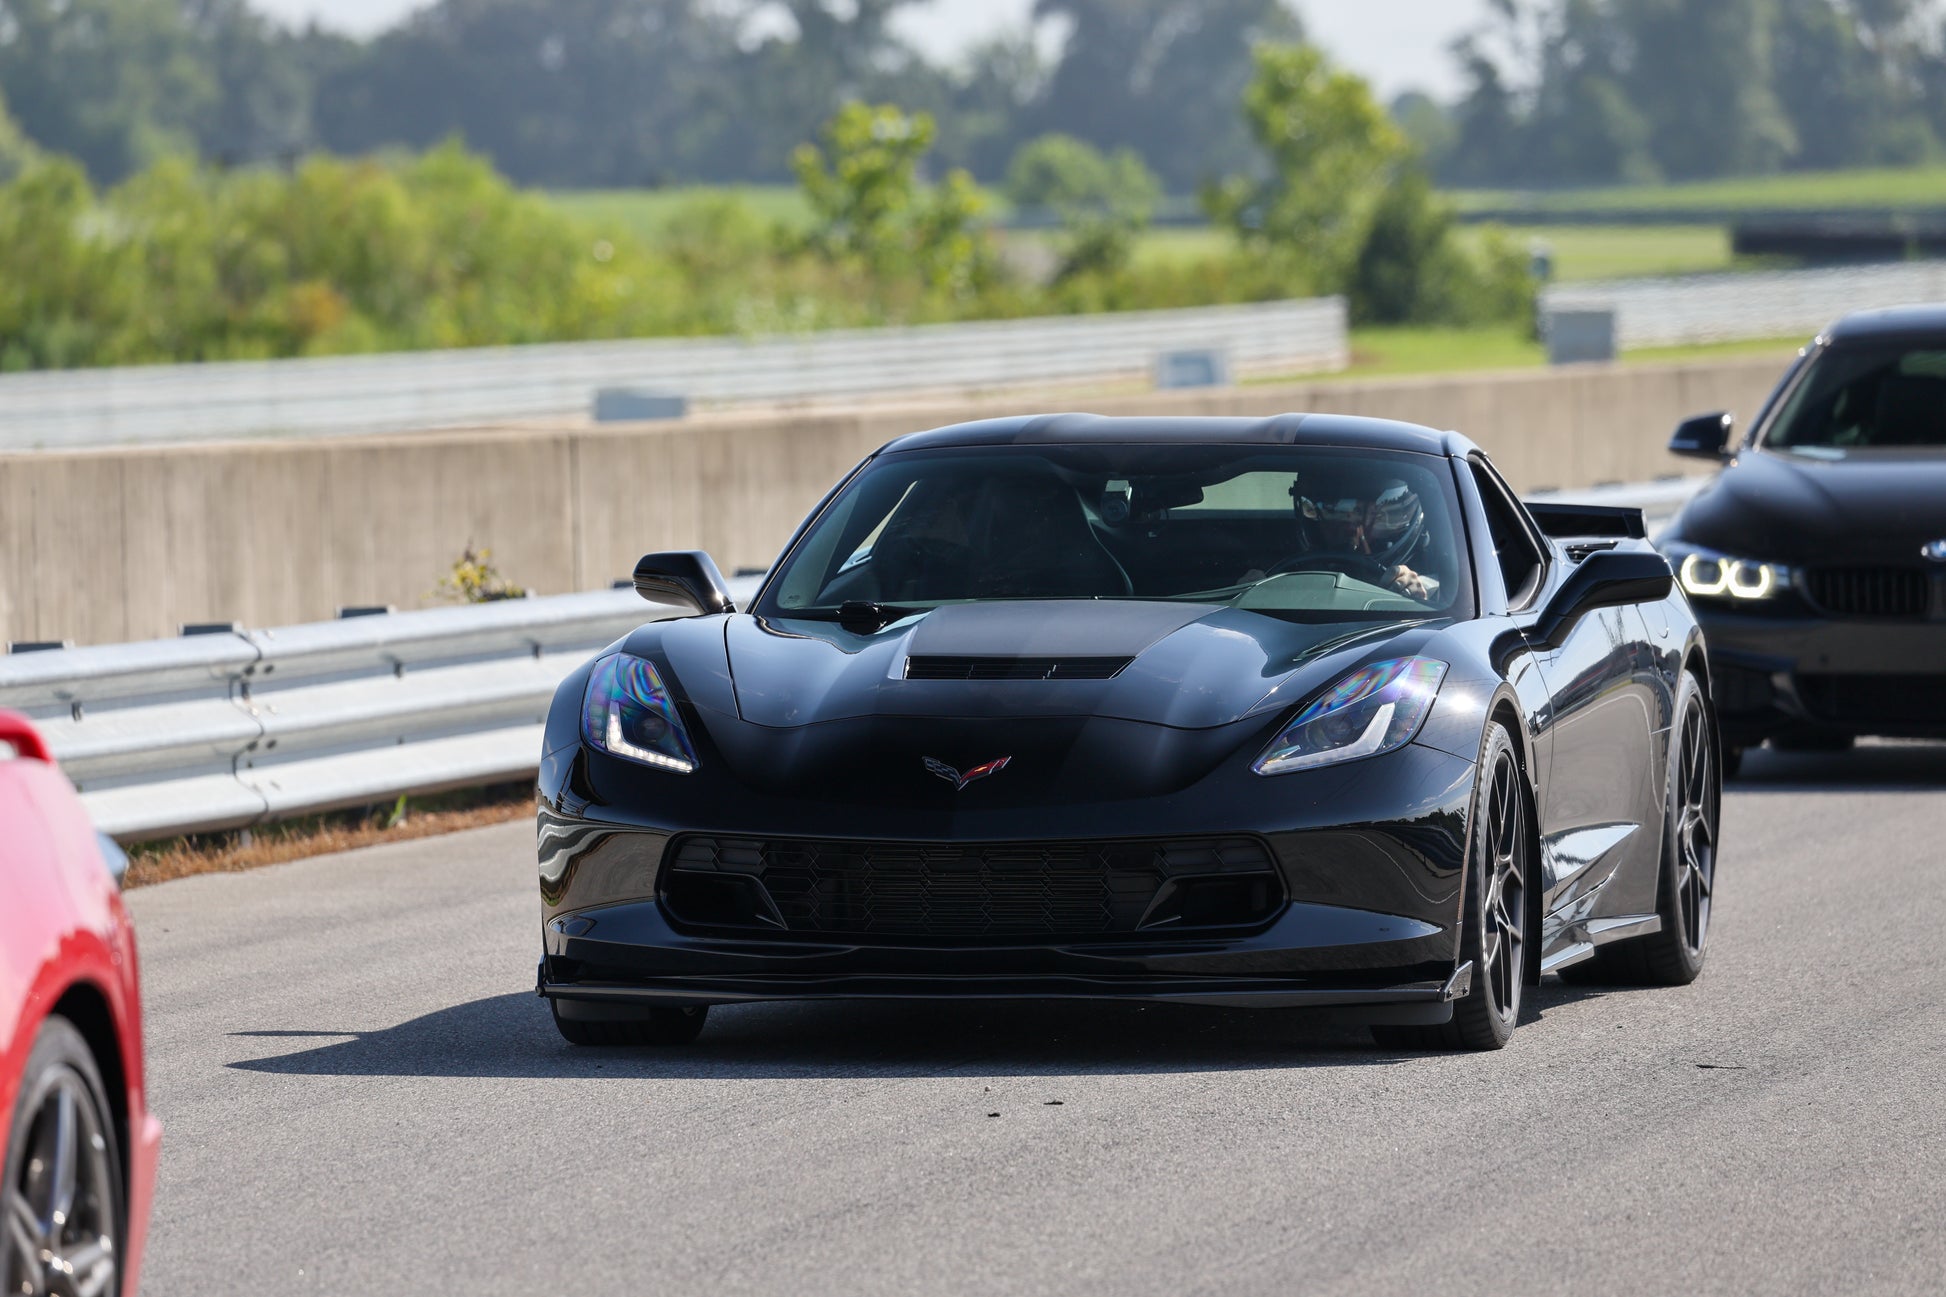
<point x="1382" y="521"/>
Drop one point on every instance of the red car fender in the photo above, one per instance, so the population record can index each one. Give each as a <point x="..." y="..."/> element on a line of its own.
<point x="63" y="929"/>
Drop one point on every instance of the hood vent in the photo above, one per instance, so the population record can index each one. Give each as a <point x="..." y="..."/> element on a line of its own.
<point x="1015" y="668"/>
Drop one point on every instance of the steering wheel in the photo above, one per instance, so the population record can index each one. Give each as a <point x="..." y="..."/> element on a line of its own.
<point x="1359" y="567"/>
<point x="918" y="565"/>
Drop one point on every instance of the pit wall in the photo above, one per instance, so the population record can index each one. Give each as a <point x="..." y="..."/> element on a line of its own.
<point x="121" y="544"/>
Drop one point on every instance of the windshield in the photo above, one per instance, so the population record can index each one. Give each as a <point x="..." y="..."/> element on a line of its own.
<point x="1866" y="397"/>
<point x="1308" y="534"/>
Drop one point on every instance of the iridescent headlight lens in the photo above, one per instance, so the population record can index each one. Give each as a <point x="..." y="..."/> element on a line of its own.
<point x="1367" y="713"/>
<point x="1711" y="576"/>
<point x="629" y="712"/>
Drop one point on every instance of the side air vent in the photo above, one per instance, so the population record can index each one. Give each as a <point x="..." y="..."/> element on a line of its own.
<point x="973" y="668"/>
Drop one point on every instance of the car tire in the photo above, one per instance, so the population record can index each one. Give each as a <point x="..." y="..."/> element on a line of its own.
<point x="662" y="1025"/>
<point x="1496" y="920"/>
<point x="1674" y="956"/>
<point x="62" y="1139"/>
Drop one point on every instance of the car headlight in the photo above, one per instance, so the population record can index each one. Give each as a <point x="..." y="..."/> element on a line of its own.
<point x="1367" y="713"/>
<point x="1708" y="575"/>
<point x="629" y="712"/>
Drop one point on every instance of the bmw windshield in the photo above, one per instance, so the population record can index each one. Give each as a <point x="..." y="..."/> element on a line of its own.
<point x="1304" y="533"/>
<point x="1866" y="396"/>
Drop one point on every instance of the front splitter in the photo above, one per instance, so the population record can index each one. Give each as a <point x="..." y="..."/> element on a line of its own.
<point x="1422" y="1002"/>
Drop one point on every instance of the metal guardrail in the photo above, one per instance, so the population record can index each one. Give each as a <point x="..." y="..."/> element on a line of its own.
<point x="1736" y="307"/>
<point x="228" y="730"/>
<point x="363" y="394"/>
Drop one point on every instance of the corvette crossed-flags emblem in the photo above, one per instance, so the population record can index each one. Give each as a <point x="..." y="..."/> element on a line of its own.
<point x="960" y="781"/>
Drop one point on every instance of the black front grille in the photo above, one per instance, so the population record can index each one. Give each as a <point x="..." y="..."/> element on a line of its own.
<point x="1898" y="702"/>
<point x="1888" y="592"/>
<point x="969" y="891"/>
<point x="977" y="668"/>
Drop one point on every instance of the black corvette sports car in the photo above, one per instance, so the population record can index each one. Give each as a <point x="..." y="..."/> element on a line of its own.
<point x="1306" y="711"/>
<point x="1817" y="558"/>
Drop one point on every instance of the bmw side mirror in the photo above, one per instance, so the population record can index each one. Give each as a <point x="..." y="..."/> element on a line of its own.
<point x="683" y="577"/>
<point x="1605" y="579"/>
<point x="1707" y="436"/>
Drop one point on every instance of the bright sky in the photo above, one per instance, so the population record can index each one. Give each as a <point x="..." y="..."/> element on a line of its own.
<point x="1398" y="44"/>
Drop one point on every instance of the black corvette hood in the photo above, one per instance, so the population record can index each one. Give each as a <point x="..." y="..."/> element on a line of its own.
<point x="1187" y="666"/>
<point x="1799" y="507"/>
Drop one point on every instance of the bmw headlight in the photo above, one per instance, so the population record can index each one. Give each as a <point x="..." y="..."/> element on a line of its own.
<point x="628" y="711"/>
<point x="1705" y="574"/>
<point x="1367" y="713"/>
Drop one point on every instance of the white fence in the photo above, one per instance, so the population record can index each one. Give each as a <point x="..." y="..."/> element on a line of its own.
<point x="1735" y="307"/>
<point x="489" y="385"/>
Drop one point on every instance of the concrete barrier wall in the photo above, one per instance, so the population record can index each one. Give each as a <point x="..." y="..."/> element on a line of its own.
<point x="122" y="544"/>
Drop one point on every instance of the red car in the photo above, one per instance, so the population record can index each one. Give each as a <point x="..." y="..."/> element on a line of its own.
<point x="79" y="1144"/>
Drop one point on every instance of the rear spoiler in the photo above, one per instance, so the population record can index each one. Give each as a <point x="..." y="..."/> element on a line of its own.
<point x="1589" y="521"/>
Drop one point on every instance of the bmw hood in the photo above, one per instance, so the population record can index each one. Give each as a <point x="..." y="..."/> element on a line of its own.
<point x="1800" y="507"/>
<point x="1186" y="666"/>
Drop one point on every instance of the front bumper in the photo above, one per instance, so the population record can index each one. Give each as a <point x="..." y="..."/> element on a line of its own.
<point x="1370" y="856"/>
<point x="1310" y="955"/>
<point x="1807" y="676"/>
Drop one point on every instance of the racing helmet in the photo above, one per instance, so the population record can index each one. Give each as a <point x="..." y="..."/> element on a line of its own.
<point x="1380" y="517"/>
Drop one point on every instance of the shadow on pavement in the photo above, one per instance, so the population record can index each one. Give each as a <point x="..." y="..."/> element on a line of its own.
<point x="1885" y="766"/>
<point x="512" y="1036"/>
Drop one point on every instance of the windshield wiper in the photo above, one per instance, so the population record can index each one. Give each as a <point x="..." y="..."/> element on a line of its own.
<point x="861" y="617"/>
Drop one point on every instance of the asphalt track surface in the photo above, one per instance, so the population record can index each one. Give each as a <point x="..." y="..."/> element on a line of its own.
<point x="362" y="1095"/>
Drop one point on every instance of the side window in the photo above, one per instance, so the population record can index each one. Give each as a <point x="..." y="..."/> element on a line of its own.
<point x="1523" y="565"/>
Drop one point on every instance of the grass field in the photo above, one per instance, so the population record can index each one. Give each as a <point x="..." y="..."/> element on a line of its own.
<point x="1903" y="187"/>
<point x="644" y="212"/>
<point x="1397" y="352"/>
<point x="1580" y="252"/>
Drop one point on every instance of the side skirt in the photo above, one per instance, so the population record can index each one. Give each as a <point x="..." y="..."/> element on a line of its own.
<point x="1583" y="938"/>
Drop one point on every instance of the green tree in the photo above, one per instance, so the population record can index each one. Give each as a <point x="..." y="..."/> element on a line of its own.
<point x="1427" y="125"/>
<point x="113" y="83"/>
<point x="1413" y="269"/>
<point x="1851" y="81"/>
<point x="871" y="209"/>
<point x="65" y="282"/>
<point x="1604" y="90"/>
<point x="1331" y="152"/>
<point x="1104" y="201"/>
<point x="1159" y="76"/>
<point x="16" y="150"/>
<point x="1701" y="77"/>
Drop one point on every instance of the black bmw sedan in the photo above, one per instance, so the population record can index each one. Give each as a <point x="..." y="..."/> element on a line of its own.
<point x="1304" y="712"/>
<point x="1817" y="558"/>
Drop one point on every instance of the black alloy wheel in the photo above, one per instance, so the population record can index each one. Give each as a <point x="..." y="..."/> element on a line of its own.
<point x="661" y="1025"/>
<point x="61" y="1204"/>
<point x="1494" y="935"/>
<point x="1674" y="956"/>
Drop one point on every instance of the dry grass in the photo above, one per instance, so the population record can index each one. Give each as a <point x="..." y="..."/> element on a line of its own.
<point x="319" y="835"/>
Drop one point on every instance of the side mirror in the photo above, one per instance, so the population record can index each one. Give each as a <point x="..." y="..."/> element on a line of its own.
<point x="1707" y="436"/>
<point x="686" y="576"/>
<point x="1608" y="578"/>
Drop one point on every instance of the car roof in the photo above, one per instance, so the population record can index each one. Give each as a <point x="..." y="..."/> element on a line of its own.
<point x="1277" y="430"/>
<point x="1891" y="322"/>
